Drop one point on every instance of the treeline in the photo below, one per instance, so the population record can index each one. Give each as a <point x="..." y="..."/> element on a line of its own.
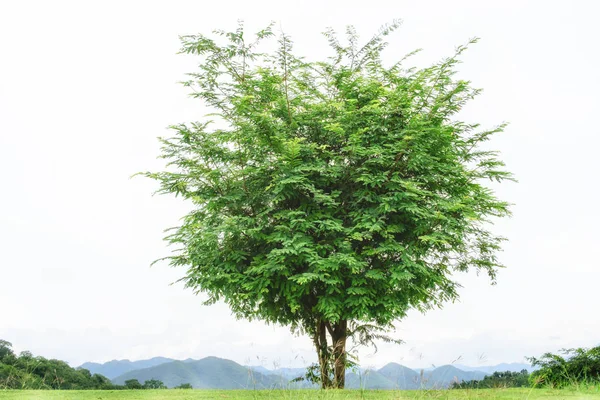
<point x="151" y="384"/>
<point x="25" y="371"/>
<point x="571" y="367"/>
<point x="497" y="380"/>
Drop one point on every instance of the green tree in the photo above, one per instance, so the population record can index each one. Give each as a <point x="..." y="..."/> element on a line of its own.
<point x="133" y="384"/>
<point x="184" y="386"/>
<point x="572" y="367"/>
<point x="101" y="382"/>
<point x="331" y="196"/>
<point x="5" y="349"/>
<point x="154" y="384"/>
<point x="28" y="372"/>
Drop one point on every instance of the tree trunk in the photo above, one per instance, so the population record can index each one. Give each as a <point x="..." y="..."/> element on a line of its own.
<point x="339" y="336"/>
<point x="320" y="340"/>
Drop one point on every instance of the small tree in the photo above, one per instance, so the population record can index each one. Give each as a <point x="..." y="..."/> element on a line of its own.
<point x="334" y="195"/>
<point x="184" y="386"/>
<point x="154" y="384"/>
<point x="6" y="350"/>
<point x="133" y="384"/>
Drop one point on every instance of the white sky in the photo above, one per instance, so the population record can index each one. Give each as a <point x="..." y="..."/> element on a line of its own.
<point x="86" y="87"/>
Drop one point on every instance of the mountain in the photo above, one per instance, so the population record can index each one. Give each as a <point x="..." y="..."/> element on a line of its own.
<point x="114" y="368"/>
<point x="490" y="369"/>
<point x="207" y="373"/>
<point x="369" y="379"/>
<point x="289" y="373"/>
<point x="262" y="370"/>
<point x="396" y="376"/>
<point x="402" y="377"/>
<point x="286" y="376"/>
<point x="444" y="376"/>
<point x="213" y="372"/>
<point x="293" y="376"/>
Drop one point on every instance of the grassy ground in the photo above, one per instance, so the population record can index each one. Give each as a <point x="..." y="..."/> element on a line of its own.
<point x="487" y="394"/>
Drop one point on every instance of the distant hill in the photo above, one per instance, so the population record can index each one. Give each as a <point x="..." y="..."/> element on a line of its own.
<point x="490" y="369"/>
<point x="262" y="370"/>
<point x="445" y="375"/>
<point x="207" y="373"/>
<point x="402" y="377"/>
<point x="396" y="376"/>
<point x="217" y="373"/>
<point x="287" y="373"/>
<point x="114" y="368"/>
<point x="391" y="376"/>
<point x="368" y="379"/>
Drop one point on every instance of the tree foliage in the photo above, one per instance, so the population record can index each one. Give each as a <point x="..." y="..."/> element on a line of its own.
<point x="133" y="384"/>
<point x="506" y="379"/>
<point x="26" y="371"/>
<point x="331" y="196"/>
<point x="153" y="384"/>
<point x="574" y="366"/>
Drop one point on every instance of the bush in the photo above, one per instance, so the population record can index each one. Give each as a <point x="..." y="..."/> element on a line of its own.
<point x="574" y="366"/>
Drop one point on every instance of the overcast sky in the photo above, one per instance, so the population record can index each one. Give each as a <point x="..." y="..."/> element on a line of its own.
<point x="86" y="87"/>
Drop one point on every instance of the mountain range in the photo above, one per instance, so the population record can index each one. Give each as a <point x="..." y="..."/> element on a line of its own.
<point x="218" y="373"/>
<point x="114" y="368"/>
<point x="207" y="373"/>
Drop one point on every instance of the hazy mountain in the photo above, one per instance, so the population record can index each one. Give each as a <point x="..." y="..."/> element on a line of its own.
<point x="213" y="372"/>
<point x="262" y="370"/>
<point x="368" y="379"/>
<point x="490" y="369"/>
<point x="286" y="376"/>
<point x="290" y="373"/>
<point x="443" y="376"/>
<point x="114" y="368"/>
<point x="402" y="377"/>
<point x="207" y="373"/>
<point x="396" y="376"/>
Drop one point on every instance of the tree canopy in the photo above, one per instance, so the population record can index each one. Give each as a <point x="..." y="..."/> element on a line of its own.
<point x="574" y="366"/>
<point x="25" y="371"/>
<point x="331" y="196"/>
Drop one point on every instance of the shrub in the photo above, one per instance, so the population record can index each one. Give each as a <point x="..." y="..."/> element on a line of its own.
<point x="574" y="366"/>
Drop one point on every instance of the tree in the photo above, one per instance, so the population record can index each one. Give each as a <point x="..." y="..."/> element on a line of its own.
<point x="5" y="349"/>
<point x="133" y="384"/>
<point x="101" y="382"/>
<point x="330" y="196"/>
<point x="29" y="372"/>
<point x="575" y="366"/>
<point x="184" y="386"/>
<point x="154" y="384"/>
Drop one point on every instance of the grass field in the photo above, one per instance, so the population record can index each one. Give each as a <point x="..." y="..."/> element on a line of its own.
<point x="501" y="394"/>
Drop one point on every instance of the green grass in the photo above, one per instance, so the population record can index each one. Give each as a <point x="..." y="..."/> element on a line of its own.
<point x="501" y="394"/>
